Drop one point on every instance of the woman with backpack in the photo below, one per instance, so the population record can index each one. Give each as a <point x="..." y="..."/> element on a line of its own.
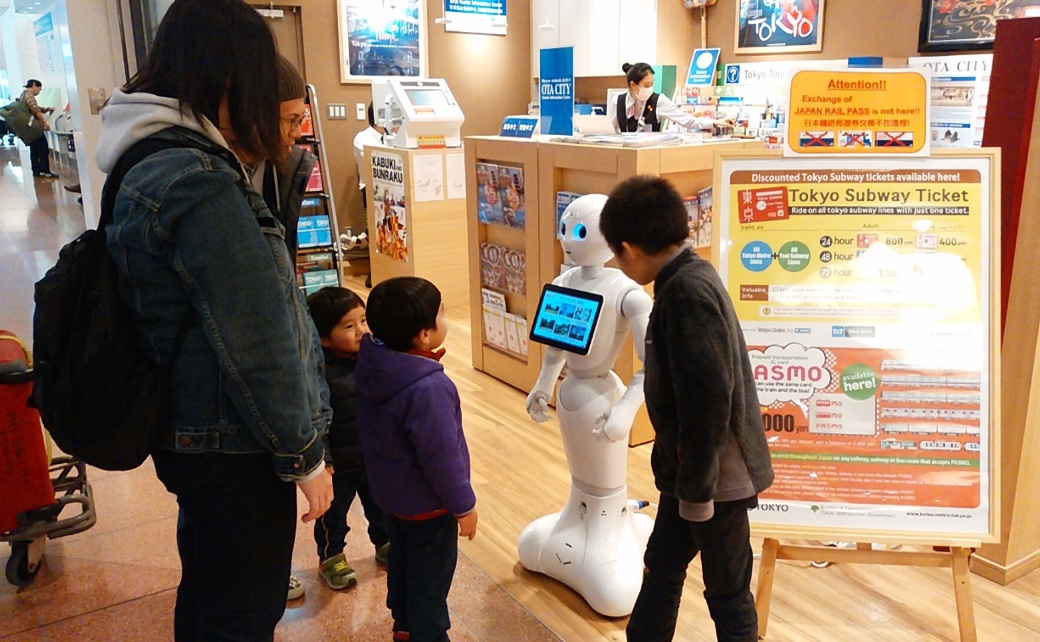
<point x="39" y="150"/>
<point x="204" y="266"/>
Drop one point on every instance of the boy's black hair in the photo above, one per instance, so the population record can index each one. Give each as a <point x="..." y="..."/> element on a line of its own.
<point x="371" y="115"/>
<point x="402" y="307"/>
<point x="645" y="211"/>
<point x="32" y="82"/>
<point x="206" y="49"/>
<point x="329" y="305"/>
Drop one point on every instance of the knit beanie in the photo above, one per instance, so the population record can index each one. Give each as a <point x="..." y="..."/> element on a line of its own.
<point x="290" y="82"/>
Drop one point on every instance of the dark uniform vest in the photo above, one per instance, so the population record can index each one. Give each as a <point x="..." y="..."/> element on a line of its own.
<point x="627" y="124"/>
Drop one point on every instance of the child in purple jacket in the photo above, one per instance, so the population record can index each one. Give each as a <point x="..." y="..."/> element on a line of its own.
<point x="415" y="452"/>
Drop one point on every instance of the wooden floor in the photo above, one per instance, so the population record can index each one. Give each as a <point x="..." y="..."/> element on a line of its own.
<point x="520" y="473"/>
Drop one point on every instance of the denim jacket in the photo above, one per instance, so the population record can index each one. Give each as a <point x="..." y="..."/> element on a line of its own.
<point x="186" y="236"/>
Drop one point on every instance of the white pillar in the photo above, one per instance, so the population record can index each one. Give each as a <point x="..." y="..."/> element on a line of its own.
<point x="10" y="43"/>
<point x="93" y="56"/>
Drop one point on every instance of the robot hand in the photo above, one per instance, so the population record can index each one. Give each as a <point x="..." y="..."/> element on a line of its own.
<point x="538" y="405"/>
<point x="614" y="424"/>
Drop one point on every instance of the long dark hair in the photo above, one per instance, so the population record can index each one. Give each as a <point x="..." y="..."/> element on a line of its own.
<point x="206" y="49"/>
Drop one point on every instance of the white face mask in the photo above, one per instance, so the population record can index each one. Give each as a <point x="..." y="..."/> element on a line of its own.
<point x="644" y="93"/>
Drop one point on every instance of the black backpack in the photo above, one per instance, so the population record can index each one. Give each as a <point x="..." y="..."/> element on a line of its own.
<point x="99" y="395"/>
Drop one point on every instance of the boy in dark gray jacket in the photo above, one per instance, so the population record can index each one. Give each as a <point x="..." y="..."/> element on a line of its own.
<point x="710" y="458"/>
<point x="339" y="316"/>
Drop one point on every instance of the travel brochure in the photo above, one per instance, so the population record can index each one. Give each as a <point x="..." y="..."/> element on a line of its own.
<point x="501" y="329"/>
<point x="503" y="269"/>
<point x="698" y="213"/>
<point x="500" y="195"/>
<point x="315" y="270"/>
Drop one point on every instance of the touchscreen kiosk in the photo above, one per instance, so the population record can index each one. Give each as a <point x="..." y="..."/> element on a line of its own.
<point x="419" y="112"/>
<point x="566" y="318"/>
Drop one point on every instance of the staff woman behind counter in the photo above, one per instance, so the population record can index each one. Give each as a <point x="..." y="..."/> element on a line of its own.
<point x="640" y="109"/>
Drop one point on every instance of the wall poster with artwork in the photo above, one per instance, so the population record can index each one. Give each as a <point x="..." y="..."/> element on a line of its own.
<point x="389" y="205"/>
<point x="381" y="39"/>
<point x="955" y="25"/>
<point x="779" y="26"/>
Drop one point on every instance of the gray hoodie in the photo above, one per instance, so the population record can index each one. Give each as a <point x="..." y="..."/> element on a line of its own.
<point x="129" y="118"/>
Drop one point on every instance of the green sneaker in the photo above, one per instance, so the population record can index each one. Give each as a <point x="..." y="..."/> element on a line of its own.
<point x="296" y="589"/>
<point x="383" y="554"/>
<point x="337" y="573"/>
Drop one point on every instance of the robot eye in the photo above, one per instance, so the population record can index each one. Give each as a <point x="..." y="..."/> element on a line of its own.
<point x="580" y="231"/>
<point x="563" y="230"/>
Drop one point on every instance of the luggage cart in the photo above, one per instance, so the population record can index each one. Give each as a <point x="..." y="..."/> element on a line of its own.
<point x="36" y="526"/>
<point x="38" y="500"/>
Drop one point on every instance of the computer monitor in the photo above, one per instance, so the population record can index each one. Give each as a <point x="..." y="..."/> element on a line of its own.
<point x="566" y="318"/>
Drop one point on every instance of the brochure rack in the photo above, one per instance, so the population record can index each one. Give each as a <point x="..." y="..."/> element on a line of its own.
<point x="510" y="366"/>
<point x="318" y="261"/>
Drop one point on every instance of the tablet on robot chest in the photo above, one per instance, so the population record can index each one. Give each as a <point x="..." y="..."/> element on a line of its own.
<point x="566" y="318"/>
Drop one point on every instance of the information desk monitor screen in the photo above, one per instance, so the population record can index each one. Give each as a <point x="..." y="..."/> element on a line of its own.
<point x="427" y="97"/>
<point x="566" y="318"/>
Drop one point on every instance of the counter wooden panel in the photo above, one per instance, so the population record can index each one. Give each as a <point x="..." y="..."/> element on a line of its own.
<point x="436" y="236"/>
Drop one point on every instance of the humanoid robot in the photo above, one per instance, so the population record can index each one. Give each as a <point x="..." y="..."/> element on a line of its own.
<point x="596" y="543"/>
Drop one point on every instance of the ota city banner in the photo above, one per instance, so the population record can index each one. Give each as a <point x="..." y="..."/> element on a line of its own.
<point x="858" y="112"/>
<point x="556" y="91"/>
<point x="863" y="287"/>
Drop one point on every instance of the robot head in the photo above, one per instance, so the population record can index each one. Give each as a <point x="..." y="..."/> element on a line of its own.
<point x="583" y="244"/>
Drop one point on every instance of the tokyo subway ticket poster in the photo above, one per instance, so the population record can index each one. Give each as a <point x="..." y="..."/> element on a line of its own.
<point x="863" y="290"/>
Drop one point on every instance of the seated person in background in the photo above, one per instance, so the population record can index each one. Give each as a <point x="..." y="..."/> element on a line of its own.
<point x="641" y="110"/>
<point x="373" y="137"/>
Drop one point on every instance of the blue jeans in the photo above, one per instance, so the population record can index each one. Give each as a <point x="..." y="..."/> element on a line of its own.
<point x="235" y="533"/>
<point x="726" y="560"/>
<point x="330" y="530"/>
<point x="423" y="555"/>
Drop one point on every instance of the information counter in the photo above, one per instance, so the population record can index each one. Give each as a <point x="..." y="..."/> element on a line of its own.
<point x="516" y="189"/>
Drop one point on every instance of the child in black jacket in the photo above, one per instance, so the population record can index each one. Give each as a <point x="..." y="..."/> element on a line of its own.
<point x="339" y="316"/>
<point x="710" y="457"/>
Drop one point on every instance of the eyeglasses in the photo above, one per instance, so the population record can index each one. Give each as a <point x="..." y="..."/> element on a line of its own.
<point x="293" y="123"/>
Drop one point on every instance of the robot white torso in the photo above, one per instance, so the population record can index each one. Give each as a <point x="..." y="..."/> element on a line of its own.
<point x="595" y="543"/>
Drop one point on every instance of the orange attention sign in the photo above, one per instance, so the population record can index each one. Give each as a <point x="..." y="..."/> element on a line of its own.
<point x="842" y="112"/>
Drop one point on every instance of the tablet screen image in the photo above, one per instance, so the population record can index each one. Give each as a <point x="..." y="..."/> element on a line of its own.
<point x="566" y="318"/>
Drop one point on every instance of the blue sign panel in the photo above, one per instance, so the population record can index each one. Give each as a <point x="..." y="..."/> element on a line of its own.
<point x="475" y="16"/>
<point x="732" y="74"/>
<point x="702" y="67"/>
<point x="518" y="126"/>
<point x="556" y="91"/>
<point x="477" y="7"/>
<point x="43" y="25"/>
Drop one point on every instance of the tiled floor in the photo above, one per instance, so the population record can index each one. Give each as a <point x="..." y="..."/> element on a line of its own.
<point x="117" y="581"/>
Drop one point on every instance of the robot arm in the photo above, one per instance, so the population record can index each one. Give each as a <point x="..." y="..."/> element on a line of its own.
<point x="538" y="400"/>
<point x="615" y="424"/>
